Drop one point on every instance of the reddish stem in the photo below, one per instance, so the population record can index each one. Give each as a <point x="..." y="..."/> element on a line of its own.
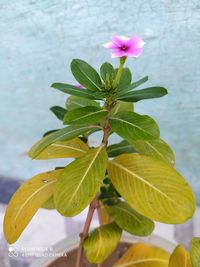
<point x="84" y="234"/>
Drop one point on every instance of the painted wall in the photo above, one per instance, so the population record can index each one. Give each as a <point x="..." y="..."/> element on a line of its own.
<point x="39" y="39"/>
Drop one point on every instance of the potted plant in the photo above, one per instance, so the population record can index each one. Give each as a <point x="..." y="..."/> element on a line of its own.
<point x="131" y="184"/>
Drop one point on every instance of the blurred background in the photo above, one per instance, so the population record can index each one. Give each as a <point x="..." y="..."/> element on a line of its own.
<point x="38" y="41"/>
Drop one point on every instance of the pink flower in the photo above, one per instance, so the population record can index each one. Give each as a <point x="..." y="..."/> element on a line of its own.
<point x="121" y="46"/>
<point x="80" y="86"/>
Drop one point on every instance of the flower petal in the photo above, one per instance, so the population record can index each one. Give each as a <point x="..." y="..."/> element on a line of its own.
<point x="110" y="45"/>
<point x="135" y="52"/>
<point x="121" y="46"/>
<point x="136" y="41"/>
<point x="118" y="53"/>
<point x="119" y="40"/>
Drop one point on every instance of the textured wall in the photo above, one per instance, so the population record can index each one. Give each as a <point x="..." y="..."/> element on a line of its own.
<point x="39" y="39"/>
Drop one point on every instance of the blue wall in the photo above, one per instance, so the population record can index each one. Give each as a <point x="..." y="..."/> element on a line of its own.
<point x="39" y="39"/>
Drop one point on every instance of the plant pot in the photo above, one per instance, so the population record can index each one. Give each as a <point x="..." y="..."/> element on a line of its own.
<point x="69" y="247"/>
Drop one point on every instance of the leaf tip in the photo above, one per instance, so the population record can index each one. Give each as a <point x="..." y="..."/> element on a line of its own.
<point x="53" y="85"/>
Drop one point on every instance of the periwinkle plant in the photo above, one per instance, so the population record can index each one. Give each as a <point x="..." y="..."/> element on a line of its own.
<point x="131" y="184"/>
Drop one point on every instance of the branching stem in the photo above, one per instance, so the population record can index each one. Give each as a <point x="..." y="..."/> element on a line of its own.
<point x="95" y="203"/>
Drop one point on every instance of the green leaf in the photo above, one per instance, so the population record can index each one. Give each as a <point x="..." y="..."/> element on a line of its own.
<point x="66" y="133"/>
<point x="49" y="204"/>
<point x="120" y="148"/>
<point x="147" y="93"/>
<point x="122" y="91"/>
<point x="49" y="132"/>
<point x="59" y="112"/>
<point x="80" y="181"/>
<point x="63" y="149"/>
<point x="155" y="148"/>
<point x="26" y="201"/>
<point x="74" y="102"/>
<point x="125" y="78"/>
<point x="195" y="251"/>
<point x="106" y="71"/>
<point x="143" y="255"/>
<point x="85" y="116"/>
<point x="152" y="187"/>
<point x="102" y="242"/>
<point x="130" y="220"/>
<point x="132" y="126"/>
<point x="122" y="106"/>
<point x="180" y="258"/>
<point x="86" y="75"/>
<point x="73" y="90"/>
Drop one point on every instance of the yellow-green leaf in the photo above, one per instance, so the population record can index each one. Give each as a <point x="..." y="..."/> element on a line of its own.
<point x="63" y="149"/>
<point x="26" y="201"/>
<point x="152" y="187"/>
<point x="155" y="148"/>
<point x="180" y="258"/>
<point x="67" y="133"/>
<point x="195" y="251"/>
<point x="80" y="181"/>
<point x="130" y="220"/>
<point x="102" y="242"/>
<point x="143" y="255"/>
<point x="49" y="204"/>
<point x="103" y="215"/>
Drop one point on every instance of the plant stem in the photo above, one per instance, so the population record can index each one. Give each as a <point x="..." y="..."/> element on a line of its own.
<point x="119" y="72"/>
<point x="95" y="203"/>
<point x="84" y="234"/>
<point x="106" y="133"/>
<point x="106" y="130"/>
<point x="106" y="126"/>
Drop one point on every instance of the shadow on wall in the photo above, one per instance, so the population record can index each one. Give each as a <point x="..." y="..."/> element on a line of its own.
<point x="8" y="186"/>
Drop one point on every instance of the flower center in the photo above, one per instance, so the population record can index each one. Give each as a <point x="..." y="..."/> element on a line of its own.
<point x="123" y="47"/>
